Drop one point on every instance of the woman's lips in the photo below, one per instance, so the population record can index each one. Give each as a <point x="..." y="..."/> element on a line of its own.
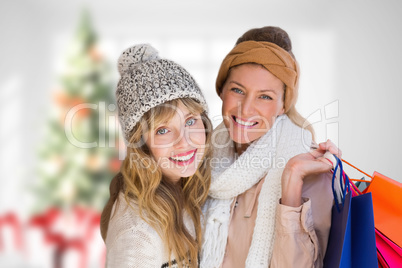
<point x="184" y="159"/>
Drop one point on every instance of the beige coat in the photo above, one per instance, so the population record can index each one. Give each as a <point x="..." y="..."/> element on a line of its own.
<point x="301" y="233"/>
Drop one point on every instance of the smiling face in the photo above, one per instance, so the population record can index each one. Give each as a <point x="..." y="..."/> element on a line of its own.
<point x="178" y="145"/>
<point x="252" y="99"/>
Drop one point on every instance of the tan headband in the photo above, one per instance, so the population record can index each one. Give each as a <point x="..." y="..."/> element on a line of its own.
<point x="274" y="58"/>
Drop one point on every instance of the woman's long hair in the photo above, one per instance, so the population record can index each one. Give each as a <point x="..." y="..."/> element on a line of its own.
<point x="160" y="202"/>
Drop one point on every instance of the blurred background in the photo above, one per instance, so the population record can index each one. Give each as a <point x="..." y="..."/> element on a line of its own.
<point x="60" y="138"/>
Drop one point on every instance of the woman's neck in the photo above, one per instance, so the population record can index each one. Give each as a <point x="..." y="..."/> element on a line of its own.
<point x="241" y="147"/>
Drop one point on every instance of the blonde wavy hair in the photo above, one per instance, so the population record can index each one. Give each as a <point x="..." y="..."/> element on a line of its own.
<point x="162" y="202"/>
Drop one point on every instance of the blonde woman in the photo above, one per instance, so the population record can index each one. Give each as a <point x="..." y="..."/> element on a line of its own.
<point x="270" y="197"/>
<point x="152" y="218"/>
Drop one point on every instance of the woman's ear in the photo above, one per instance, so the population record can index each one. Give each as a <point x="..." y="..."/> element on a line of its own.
<point x="221" y="94"/>
<point x="282" y="111"/>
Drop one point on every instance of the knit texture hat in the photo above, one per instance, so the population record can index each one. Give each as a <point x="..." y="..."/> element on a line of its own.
<point x="274" y="58"/>
<point x="147" y="81"/>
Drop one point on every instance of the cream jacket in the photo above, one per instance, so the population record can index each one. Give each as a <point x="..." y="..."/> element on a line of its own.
<point x="133" y="243"/>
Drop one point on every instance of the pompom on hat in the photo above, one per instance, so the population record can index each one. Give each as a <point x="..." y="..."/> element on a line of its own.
<point x="148" y="81"/>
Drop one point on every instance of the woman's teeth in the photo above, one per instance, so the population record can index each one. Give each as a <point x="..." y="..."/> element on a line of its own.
<point x="183" y="158"/>
<point x="244" y="123"/>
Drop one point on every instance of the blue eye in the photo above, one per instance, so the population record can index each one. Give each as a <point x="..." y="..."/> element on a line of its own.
<point x="161" y="131"/>
<point x="236" y="90"/>
<point x="266" y="97"/>
<point x="190" y="122"/>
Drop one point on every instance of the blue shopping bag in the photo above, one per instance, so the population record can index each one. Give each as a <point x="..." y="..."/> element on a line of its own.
<point x="352" y="236"/>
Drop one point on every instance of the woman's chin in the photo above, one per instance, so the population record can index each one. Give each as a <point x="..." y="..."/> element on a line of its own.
<point x="243" y="139"/>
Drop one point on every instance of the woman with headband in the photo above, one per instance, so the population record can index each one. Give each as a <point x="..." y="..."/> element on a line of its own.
<point x="270" y="199"/>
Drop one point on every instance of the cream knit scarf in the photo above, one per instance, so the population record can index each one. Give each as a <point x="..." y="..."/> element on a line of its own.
<point x="230" y="177"/>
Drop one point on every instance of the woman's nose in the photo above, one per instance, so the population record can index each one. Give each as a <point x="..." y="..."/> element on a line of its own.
<point x="246" y="106"/>
<point x="183" y="139"/>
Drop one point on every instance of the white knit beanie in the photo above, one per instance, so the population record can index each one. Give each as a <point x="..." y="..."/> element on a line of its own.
<point x="147" y="81"/>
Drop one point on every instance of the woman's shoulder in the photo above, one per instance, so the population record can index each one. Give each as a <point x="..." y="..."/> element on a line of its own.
<point x="130" y="240"/>
<point x="126" y="218"/>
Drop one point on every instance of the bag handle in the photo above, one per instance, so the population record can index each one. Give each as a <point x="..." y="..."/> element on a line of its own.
<point x="343" y="160"/>
<point x="345" y="183"/>
<point x="342" y="183"/>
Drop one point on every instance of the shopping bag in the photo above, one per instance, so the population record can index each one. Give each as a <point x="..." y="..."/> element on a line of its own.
<point x="352" y="235"/>
<point x="387" y="206"/>
<point x="389" y="254"/>
<point x="387" y="197"/>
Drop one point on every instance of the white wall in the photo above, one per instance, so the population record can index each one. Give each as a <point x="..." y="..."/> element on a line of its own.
<point x="349" y="53"/>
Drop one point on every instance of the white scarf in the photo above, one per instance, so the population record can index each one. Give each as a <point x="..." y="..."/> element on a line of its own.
<point x="230" y="177"/>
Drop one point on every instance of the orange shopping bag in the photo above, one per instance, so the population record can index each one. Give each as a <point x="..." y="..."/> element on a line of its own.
<point x="387" y="206"/>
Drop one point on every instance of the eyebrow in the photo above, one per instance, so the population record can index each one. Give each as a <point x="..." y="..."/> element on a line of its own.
<point x="260" y="91"/>
<point x="165" y="122"/>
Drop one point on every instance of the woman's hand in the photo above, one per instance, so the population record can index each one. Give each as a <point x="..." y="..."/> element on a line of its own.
<point x="302" y="165"/>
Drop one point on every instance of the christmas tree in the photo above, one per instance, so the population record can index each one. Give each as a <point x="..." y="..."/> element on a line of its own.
<point x="79" y="156"/>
